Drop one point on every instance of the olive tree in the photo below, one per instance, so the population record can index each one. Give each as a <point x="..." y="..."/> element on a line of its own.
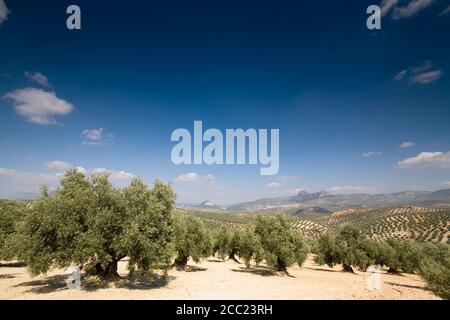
<point x="221" y="242"/>
<point x="281" y="244"/>
<point x="192" y="240"/>
<point x="434" y="268"/>
<point x="349" y="248"/>
<point x="226" y="243"/>
<point x="11" y="213"/>
<point x="250" y="248"/>
<point x="399" y="255"/>
<point x="92" y="224"/>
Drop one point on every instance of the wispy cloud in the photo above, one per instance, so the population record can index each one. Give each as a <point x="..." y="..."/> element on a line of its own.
<point x="58" y="165"/>
<point x="407" y="144"/>
<point x="411" y="9"/>
<point x="408" y="10"/>
<point x="445" y="11"/>
<point x="421" y="74"/>
<point x="95" y="136"/>
<point x="4" y="11"/>
<point x="347" y="189"/>
<point x="114" y="175"/>
<point x="401" y="75"/>
<point x="436" y="160"/>
<point x="38" y="78"/>
<point x="273" y="185"/>
<point x="39" y="106"/>
<point x="29" y="178"/>
<point x="387" y="5"/>
<point x="193" y="177"/>
<point x="372" y="153"/>
<point x="427" y="77"/>
<point x="19" y="181"/>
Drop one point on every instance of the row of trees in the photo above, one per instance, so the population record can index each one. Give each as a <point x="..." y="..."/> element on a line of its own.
<point x="273" y="240"/>
<point x="92" y="224"/>
<point x="350" y="248"/>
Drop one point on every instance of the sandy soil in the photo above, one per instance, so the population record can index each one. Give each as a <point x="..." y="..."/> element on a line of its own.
<point x="214" y="279"/>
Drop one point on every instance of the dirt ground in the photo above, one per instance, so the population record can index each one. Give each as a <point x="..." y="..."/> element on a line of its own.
<point x="215" y="279"/>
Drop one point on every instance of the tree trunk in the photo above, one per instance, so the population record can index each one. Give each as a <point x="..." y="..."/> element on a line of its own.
<point x="392" y="270"/>
<point x="108" y="272"/>
<point x="281" y="266"/>
<point x="181" y="263"/>
<point x="347" y="268"/>
<point x="233" y="257"/>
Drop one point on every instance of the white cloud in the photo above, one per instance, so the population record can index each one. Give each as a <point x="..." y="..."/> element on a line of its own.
<point x="81" y="169"/>
<point x="446" y="10"/>
<point x="411" y="9"/>
<point x="421" y="74"/>
<point x="38" y="78"/>
<point x="58" y="165"/>
<point x="15" y="182"/>
<point x="407" y="144"/>
<point x="288" y="178"/>
<point x="387" y="5"/>
<point x="446" y="183"/>
<point x="401" y="75"/>
<point x="39" y="106"/>
<point x="4" y="11"/>
<point x="427" y="160"/>
<point x="372" y="153"/>
<point x="425" y="66"/>
<point x="28" y="177"/>
<point x="426" y="77"/>
<point x="95" y="136"/>
<point x="346" y="189"/>
<point x="193" y="177"/>
<point x="114" y="174"/>
<point x="273" y="185"/>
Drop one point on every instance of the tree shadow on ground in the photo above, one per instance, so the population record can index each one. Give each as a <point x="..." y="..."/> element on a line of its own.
<point x="321" y="269"/>
<point x="405" y="285"/>
<point x="47" y="285"/>
<point x="131" y="282"/>
<point x="90" y="283"/>
<point x="7" y="276"/>
<point x="15" y="264"/>
<point x="215" y="260"/>
<point x="195" y="269"/>
<point x="261" y="271"/>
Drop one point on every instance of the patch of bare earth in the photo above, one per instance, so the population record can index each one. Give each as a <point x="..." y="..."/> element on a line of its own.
<point x="215" y="279"/>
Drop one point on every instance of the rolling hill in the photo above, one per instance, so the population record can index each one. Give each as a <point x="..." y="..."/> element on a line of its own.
<point x="404" y="222"/>
<point x="303" y="199"/>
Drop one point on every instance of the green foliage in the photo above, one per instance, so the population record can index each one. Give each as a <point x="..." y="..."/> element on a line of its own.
<point x="326" y="250"/>
<point x="11" y="212"/>
<point x="222" y="240"/>
<point x="387" y="256"/>
<point x="192" y="240"/>
<point x="234" y="245"/>
<point x="282" y="246"/>
<point x="349" y="248"/>
<point x="434" y="267"/>
<point x="401" y="255"/>
<point x="90" y="223"/>
<point x="250" y="247"/>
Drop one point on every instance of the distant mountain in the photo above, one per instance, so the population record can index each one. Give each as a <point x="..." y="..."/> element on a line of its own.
<point x="208" y="205"/>
<point x="324" y="200"/>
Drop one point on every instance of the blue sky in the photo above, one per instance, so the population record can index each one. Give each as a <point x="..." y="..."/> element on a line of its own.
<point x="358" y="110"/>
